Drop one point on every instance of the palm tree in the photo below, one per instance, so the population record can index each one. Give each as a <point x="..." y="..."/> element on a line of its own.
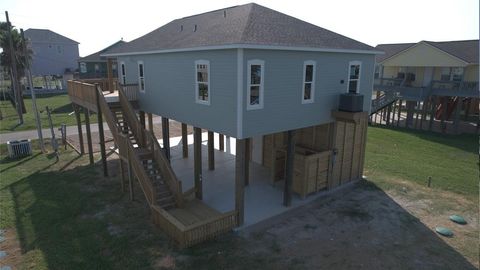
<point x="22" y="58"/>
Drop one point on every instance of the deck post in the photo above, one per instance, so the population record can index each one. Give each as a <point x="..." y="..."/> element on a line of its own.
<point x="122" y="174"/>
<point x="393" y="112"/>
<point x="166" y="136"/>
<point x="110" y="75"/>
<point x="184" y="140"/>
<point x="417" y="115"/>
<point x="410" y="113"/>
<point x="197" y="160"/>
<point x="240" y="180"/>
<point x="247" y="160"/>
<point x="389" y="112"/>
<point x="433" y="104"/>
<point x="468" y="103"/>
<point x="399" y="116"/>
<point x="141" y="115"/>
<point x="456" y="120"/>
<point x="150" y="121"/>
<point x="287" y="193"/>
<point x="101" y="133"/>
<point x="79" y="126"/>
<point x="89" y="135"/>
<point x="211" y="151"/>
<point x="444" y="114"/>
<point x="221" y="142"/>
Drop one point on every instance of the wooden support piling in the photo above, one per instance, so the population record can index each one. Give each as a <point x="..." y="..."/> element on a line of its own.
<point x="122" y="174"/>
<point x="433" y="105"/>
<point x="394" y="106"/>
<point x="79" y="127"/>
<point x="443" y="125"/>
<point x="287" y="193"/>
<point x="456" y="120"/>
<point x="240" y="180"/>
<point x="211" y="151"/>
<point x="399" y="116"/>
<point x="89" y="135"/>
<point x="166" y="136"/>
<point x="221" y="142"/>
<point x="197" y="159"/>
<point x="389" y="112"/>
<point x="141" y="115"/>
<point x="184" y="140"/>
<point x="101" y="134"/>
<point x="417" y="114"/>
<point x="150" y="122"/>
<point x="248" y="145"/>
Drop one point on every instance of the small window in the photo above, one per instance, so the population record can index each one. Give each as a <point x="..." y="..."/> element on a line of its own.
<point x="202" y="82"/>
<point x="255" y="84"/>
<point x="83" y="67"/>
<point x="141" y="76"/>
<point x="354" y="76"/>
<point x="308" y="86"/>
<point x="124" y="74"/>
<point x="457" y="74"/>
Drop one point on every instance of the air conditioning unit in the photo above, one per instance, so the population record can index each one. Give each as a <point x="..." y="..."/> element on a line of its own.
<point x="351" y="102"/>
<point x="20" y="148"/>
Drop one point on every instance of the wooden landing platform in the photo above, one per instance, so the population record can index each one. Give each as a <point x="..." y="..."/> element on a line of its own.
<point x="195" y="211"/>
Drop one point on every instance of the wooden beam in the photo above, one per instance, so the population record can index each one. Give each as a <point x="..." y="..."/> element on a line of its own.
<point x="101" y="134"/>
<point x="79" y="127"/>
<point x="221" y="142"/>
<point x="166" y="136"/>
<point x="287" y="193"/>
<point x="150" y="122"/>
<point x="184" y="140"/>
<point x="240" y="180"/>
<point x="211" y="151"/>
<point x="248" y="143"/>
<point x="89" y="135"/>
<point x="197" y="159"/>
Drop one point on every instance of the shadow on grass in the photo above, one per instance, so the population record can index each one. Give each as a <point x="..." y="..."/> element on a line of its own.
<point x="67" y="108"/>
<point x="19" y="161"/>
<point x="461" y="141"/>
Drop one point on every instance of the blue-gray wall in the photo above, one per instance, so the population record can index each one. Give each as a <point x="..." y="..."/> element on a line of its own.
<point x="170" y="88"/>
<point x="54" y="58"/>
<point x="283" y="109"/>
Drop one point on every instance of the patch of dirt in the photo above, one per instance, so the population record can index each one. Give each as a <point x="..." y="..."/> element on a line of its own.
<point x="364" y="227"/>
<point x="11" y="245"/>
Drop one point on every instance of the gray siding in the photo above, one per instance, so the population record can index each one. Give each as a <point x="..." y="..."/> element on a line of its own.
<point x="48" y="60"/>
<point x="170" y="88"/>
<point x="283" y="109"/>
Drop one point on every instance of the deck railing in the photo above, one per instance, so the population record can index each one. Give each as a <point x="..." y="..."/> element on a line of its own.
<point x="130" y="91"/>
<point x="186" y="236"/>
<point x="102" y="83"/>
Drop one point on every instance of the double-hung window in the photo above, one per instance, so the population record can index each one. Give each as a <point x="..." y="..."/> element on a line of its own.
<point x="141" y="76"/>
<point x="256" y="77"/>
<point x="308" y="86"/>
<point x="124" y="73"/>
<point x="354" y="76"/>
<point x="202" y="82"/>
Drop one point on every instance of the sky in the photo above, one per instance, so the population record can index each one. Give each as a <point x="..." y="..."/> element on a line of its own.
<point x="98" y="23"/>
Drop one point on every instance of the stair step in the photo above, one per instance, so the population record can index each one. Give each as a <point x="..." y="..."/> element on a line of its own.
<point x="165" y="199"/>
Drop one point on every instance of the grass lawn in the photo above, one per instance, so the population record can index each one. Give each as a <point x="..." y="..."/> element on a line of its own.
<point x="59" y="105"/>
<point x="451" y="160"/>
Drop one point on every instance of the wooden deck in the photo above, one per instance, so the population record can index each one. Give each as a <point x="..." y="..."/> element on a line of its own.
<point x="194" y="211"/>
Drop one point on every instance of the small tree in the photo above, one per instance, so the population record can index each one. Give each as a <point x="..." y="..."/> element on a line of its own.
<point x="21" y="58"/>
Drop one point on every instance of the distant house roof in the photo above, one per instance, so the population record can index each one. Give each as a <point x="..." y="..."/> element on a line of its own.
<point x="96" y="57"/>
<point x="466" y="50"/>
<point x="240" y="26"/>
<point x="47" y="36"/>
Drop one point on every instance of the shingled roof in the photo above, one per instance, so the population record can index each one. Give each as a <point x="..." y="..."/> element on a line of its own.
<point x="249" y="24"/>
<point x="96" y="57"/>
<point x="466" y="50"/>
<point x="47" y="36"/>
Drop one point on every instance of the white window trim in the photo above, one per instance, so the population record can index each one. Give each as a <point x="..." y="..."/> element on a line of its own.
<point x="261" y="63"/>
<point x="356" y="62"/>
<point x="197" y="89"/>
<point x="123" y="75"/>
<point x="139" y="78"/>
<point x="312" y="92"/>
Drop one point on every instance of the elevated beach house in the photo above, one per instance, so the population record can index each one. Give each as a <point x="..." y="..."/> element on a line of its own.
<point x="291" y="98"/>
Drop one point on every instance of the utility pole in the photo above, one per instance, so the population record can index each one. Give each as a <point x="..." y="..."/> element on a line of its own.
<point x="14" y="84"/>
<point x="28" y="72"/>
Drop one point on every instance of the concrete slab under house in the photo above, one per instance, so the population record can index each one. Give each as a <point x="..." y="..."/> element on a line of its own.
<point x="288" y="99"/>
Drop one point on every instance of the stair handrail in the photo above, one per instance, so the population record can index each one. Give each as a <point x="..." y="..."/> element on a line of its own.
<point x="149" y="141"/>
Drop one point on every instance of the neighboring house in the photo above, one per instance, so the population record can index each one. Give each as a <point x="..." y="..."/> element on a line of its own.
<point x="53" y="54"/>
<point x="421" y="64"/>
<point x="95" y="66"/>
<point x="439" y="78"/>
<point x="273" y="82"/>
